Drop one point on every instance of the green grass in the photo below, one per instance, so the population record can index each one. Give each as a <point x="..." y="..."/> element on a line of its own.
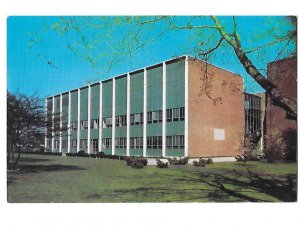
<point x="70" y="179"/>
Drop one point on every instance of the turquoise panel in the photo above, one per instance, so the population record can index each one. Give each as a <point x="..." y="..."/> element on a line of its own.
<point x="74" y="106"/>
<point x="106" y="133"/>
<point x="154" y="152"/>
<point x="83" y="134"/>
<point x="120" y="151"/>
<point x="175" y="152"/>
<point x="73" y="135"/>
<point x="175" y="84"/>
<point x="94" y="134"/>
<point x="136" y="152"/>
<point x="57" y="104"/>
<point x="121" y="96"/>
<point x="107" y="151"/>
<point x="137" y="92"/>
<point x="84" y="104"/>
<point x="95" y="99"/>
<point x="154" y="129"/>
<point x="154" y="88"/>
<point x="175" y="128"/>
<point x="120" y="132"/>
<point x="136" y="130"/>
<point x="107" y="99"/>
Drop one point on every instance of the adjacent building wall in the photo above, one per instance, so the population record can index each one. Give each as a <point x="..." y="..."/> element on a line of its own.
<point x="216" y="117"/>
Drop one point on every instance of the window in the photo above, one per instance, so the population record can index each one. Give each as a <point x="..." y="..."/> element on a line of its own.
<point x="83" y="143"/>
<point x="154" y="116"/>
<point x="94" y="145"/>
<point x="95" y="123"/>
<point x="107" y="122"/>
<point x="120" y="142"/>
<point x="106" y="143"/>
<point x="64" y="143"/>
<point x="73" y="126"/>
<point x="154" y="142"/>
<point x="175" y="141"/>
<point x="83" y="124"/>
<point x="136" y="142"/>
<point x="65" y="101"/>
<point x="56" y="144"/>
<point x="73" y="143"/>
<point x="181" y="114"/>
<point x="136" y="119"/>
<point x="169" y="115"/>
<point x="121" y="120"/>
<point x="175" y="114"/>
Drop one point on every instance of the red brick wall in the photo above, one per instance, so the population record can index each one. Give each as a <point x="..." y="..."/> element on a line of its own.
<point x="215" y="102"/>
<point x="283" y="74"/>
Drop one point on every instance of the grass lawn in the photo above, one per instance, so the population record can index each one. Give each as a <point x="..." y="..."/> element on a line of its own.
<point x="68" y="179"/>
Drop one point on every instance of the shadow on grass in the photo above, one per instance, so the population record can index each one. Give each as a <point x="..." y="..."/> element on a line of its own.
<point x="33" y="160"/>
<point x="24" y="168"/>
<point x="214" y="187"/>
<point x="246" y="186"/>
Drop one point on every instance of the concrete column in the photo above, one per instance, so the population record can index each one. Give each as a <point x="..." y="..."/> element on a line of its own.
<point x="78" y="121"/>
<point x="128" y="117"/>
<point x="60" y="123"/>
<point x="164" y="113"/>
<point x="69" y="123"/>
<point x="145" y="115"/>
<point x="186" y="107"/>
<point x="52" y="145"/>
<point x="89" y="121"/>
<point x="100" y="118"/>
<point x="113" y="117"/>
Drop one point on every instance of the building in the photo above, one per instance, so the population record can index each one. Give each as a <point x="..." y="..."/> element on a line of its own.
<point x="182" y="107"/>
<point x="283" y="74"/>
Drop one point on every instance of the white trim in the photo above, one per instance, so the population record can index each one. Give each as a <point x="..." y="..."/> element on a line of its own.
<point x="186" y="106"/>
<point x="164" y="110"/>
<point x="128" y="117"/>
<point x="100" y="118"/>
<point x="145" y="115"/>
<point x="78" y="120"/>
<point x="52" y="145"/>
<point x="113" y="117"/>
<point x="89" y="121"/>
<point x="69" y="123"/>
<point x="46" y="109"/>
<point x="60" y="124"/>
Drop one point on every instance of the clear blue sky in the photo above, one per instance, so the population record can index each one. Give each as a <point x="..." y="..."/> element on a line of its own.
<point x="39" y="60"/>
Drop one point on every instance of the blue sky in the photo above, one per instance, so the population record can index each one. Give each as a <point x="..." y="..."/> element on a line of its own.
<point x="40" y="59"/>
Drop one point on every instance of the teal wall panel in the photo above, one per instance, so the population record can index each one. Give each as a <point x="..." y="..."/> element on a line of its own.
<point x="94" y="134"/>
<point x="120" y="151"/>
<point x="154" y="129"/>
<point x="154" y="88"/>
<point x="107" y="99"/>
<point x="136" y="130"/>
<point x="84" y="104"/>
<point x="74" y="106"/>
<point x="175" y="128"/>
<point x="121" y="96"/>
<point x="137" y="92"/>
<point x="106" y="133"/>
<point x="107" y="151"/>
<point x="154" y="152"/>
<point x="175" y="152"/>
<point x="136" y="152"/>
<point x="83" y="134"/>
<point x="73" y="135"/>
<point x="95" y="98"/>
<point x="175" y="84"/>
<point x="120" y="132"/>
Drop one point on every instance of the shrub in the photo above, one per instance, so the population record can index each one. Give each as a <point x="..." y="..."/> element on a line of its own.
<point x="210" y="161"/>
<point x="173" y="161"/>
<point x="143" y="161"/>
<point x="136" y="164"/>
<point x="161" y="164"/>
<point x="200" y="163"/>
<point x="183" y="161"/>
<point x="275" y="147"/>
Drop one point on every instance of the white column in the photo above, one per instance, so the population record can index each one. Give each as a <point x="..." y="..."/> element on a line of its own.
<point x="89" y="121"/>
<point x="100" y="119"/>
<point x="78" y="121"/>
<point x="60" y="123"/>
<point x="69" y="123"/>
<point x="52" y="145"/>
<point x="46" y="110"/>
<point x="164" y="111"/>
<point x="128" y="117"/>
<point x="113" y="117"/>
<point x="145" y="115"/>
<point x="186" y="107"/>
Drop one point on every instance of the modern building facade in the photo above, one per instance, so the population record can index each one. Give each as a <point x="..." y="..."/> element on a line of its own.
<point x="181" y="107"/>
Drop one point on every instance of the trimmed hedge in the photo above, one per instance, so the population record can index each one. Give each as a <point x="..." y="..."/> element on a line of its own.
<point x="42" y="153"/>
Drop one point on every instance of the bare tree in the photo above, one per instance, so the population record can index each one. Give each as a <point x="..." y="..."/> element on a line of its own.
<point x="26" y="123"/>
<point x="134" y="33"/>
